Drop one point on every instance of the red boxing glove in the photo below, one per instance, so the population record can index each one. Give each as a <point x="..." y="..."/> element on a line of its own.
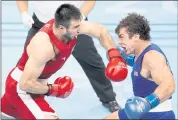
<point x="61" y="88"/>
<point x="116" y="69"/>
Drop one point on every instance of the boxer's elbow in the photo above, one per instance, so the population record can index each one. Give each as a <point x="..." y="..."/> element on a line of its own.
<point x="26" y="85"/>
<point x="103" y="35"/>
<point x="172" y="87"/>
<point x="104" y="31"/>
<point x="22" y="84"/>
<point x="105" y="39"/>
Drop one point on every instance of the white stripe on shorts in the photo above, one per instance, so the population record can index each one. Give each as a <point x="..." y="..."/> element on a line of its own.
<point x="5" y="116"/>
<point x="26" y="98"/>
<point x="163" y="107"/>
<point x="32" y="106"/>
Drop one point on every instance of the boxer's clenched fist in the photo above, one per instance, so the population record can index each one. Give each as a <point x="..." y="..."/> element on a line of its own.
<point x="62" y="87"/>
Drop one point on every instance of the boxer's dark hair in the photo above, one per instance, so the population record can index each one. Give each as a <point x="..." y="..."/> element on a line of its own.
<point x="135" y="24"/>
<point x="65" y="13"/>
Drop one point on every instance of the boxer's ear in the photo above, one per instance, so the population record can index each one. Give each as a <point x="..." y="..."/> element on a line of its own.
<point x="62" y="28"/>
<point x="136" y="37"/>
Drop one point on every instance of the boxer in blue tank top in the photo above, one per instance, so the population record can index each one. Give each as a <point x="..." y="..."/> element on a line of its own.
<point x="152" y="78"/>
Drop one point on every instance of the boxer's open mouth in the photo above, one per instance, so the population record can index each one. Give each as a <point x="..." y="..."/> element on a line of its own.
<point x="124" y="48"/>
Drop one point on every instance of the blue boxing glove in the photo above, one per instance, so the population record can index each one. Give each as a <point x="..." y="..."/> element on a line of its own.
<point x="136" y="107"/>
<point x="129" y="59"/>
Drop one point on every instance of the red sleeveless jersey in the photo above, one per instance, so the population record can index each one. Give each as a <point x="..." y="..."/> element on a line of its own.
<point x="51" y="66"/>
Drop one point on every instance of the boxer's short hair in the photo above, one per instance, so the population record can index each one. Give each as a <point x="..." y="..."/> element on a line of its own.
<point x="135" y="24"/>
<point x="65" y="13"/>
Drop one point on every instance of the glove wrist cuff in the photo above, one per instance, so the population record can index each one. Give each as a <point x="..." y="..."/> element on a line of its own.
<point x="153" y="99"/>
<point x="113" y="53"/>
<point x="49" y="90"/>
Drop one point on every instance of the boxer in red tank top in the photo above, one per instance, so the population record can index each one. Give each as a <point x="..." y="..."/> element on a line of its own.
<point x="46" y="53"/>
<point x="52" y="65"/>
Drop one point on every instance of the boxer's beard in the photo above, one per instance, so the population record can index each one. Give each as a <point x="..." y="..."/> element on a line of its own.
<point x="67" y="37"/>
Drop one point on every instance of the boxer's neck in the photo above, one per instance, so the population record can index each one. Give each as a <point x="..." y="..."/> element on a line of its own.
<point x="141" y="47"/>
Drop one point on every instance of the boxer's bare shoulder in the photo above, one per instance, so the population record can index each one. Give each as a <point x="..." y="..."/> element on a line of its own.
<point x="155" y="56"/>
<point x="39" y="44"/>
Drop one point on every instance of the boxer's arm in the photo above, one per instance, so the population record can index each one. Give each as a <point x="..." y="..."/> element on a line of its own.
<point x="161" y="75"/>
<point x="39" y="51"/>
<point x="97" y="31"/>
<point x="87" y="7"/>
<point x="22" y="5"/>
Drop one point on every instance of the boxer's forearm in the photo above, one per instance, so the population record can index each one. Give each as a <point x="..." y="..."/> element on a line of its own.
<point x="22" y="6"/>
<point x="34" y="86"/>
<point x="87" y="7"/>
<point x="106" y="40"/>
<point x="164" y="91"/>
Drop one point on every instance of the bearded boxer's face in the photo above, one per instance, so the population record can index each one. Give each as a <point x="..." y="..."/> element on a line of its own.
<point x="128" y="44"/>
<point x="73" y="30"/>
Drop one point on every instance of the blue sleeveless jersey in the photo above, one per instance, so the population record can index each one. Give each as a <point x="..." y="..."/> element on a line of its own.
<point x="143" y="87"/>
